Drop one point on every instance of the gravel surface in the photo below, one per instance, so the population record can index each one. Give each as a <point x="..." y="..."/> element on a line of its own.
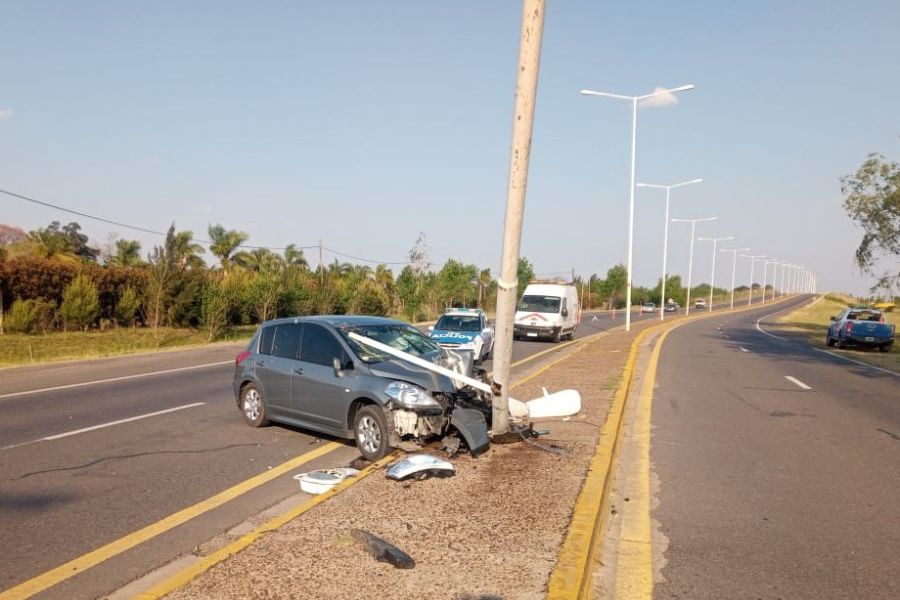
<point x="491" y="531"/>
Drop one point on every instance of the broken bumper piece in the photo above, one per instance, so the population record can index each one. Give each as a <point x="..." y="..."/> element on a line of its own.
<point x="420" y="466"/>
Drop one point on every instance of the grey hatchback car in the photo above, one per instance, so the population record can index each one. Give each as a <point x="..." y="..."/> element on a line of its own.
<point x="308" y="372"/>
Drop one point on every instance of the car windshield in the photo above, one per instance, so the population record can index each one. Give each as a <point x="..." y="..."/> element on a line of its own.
<point x="402" y="337"/>
<point x="458" y="323"/>
<point x="541" y="304"/>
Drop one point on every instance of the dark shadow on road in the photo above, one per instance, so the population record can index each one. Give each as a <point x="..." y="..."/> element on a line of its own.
<point x="32" y="502"/>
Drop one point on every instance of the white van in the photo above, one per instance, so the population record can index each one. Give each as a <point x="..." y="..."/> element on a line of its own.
<point x="547" y="311"/>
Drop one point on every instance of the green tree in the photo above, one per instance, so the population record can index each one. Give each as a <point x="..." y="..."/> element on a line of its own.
<point x="614" y="286"/>
<point x="872" y="200"/>
<point x="524" y="273"/>
<point x="81" y="304"/>
<point x="224" y="243"/>
<point x="64" y="242"/>
<point x="219" y="300"/>
<point x="369" y="299"/>
<point x="127" y="254"/>
<point x="21" y="316"/>
<point x="294" y="257"/>
<point x="127" y="306"/>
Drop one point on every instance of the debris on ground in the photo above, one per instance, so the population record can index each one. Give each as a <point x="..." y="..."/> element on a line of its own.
<point x="419" y="466"/>
<point x="383" y="551"/>
<point x="323" y="480"/>
<point x="451" y="445"/>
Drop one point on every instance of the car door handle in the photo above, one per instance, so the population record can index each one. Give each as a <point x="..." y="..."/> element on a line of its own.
<point x="260" y="363"/>
<point x="298" y="370"/>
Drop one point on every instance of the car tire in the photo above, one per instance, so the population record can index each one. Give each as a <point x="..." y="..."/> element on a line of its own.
<point x="829" y="342"/>
<point x="371" y="433"/>
<point x="253" y="406"/>
<point x="886" y="347"/>
<point x="841" y="343"/>
<point x="557" y="336"/>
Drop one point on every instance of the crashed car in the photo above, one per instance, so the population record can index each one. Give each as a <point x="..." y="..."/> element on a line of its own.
<point x="309" y="372"/>
<point x="464" y="330"/>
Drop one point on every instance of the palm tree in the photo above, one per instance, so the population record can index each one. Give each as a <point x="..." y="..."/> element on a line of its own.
<point x="259" y="260"/>
<point x="128" y="253"/>
<point x="186" y="252"/>
<point x="224" y="243"/>
<point x="294" y="257"/>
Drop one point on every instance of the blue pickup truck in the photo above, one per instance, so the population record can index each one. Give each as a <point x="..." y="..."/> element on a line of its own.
<point x="860" y="327"/>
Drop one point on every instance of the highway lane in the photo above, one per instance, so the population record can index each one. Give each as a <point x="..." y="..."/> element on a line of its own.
<point x="777" y="467"/>
<point x="61" y="498"/>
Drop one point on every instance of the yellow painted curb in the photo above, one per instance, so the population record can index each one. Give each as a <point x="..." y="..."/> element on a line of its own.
<point x="571" y="577"/>
<point x="186" y="575"/>
<point x="95" y="557"/>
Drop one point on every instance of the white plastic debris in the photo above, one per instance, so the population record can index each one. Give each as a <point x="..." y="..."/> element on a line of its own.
<point x="323" y="480"/>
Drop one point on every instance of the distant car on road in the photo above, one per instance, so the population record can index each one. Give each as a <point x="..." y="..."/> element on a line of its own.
<point x="671" y="307"/>
<point x="864" y="327"/>
<point x="648" y="307"/>
<point x="700" y="303"/>
<point x="465" y="329"/>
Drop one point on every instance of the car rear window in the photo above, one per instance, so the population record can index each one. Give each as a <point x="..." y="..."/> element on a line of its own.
<point x="265" y="340"/>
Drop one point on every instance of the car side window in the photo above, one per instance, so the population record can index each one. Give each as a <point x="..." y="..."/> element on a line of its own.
<point x="287" y="341"/>
<point x="320" y="346"/>
<point x="265" y="340"/>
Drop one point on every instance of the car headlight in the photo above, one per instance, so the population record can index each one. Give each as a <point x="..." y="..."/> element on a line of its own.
<point x="410" y="396"/>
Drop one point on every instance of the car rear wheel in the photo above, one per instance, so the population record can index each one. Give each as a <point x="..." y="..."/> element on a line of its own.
<point x="371" y="433"/>
<point x="885" y="347"/>
<point x="841" y="343"/>
<point x="253" y="407"/>
<point x="829" y="341"/>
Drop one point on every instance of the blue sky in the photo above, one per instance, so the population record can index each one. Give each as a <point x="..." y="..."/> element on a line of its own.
<point x="363" y="123"/>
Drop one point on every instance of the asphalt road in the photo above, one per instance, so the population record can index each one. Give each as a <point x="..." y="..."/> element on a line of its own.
<point x="768" y="489"/>
<point x="171" y="436"/>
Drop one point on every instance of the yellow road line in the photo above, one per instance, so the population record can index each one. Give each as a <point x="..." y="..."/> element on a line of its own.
<point x="634" y="566"/>
<point x="184" y="576"/>
<point x="95" y="557"/>
<point x="571" y="577"/>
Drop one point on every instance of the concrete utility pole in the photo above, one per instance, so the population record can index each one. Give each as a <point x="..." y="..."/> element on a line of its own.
<point x="520" y="153"/>
<point x="712" y="277"/>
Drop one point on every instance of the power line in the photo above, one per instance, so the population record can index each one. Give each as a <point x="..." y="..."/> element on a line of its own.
<point x="197" y="240"/>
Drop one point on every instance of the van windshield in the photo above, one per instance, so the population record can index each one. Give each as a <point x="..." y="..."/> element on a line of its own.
<point x="402" y="337"/>
<point x="541" y="304"/>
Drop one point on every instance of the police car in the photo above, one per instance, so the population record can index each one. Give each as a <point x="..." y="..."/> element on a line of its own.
<point x="465" y="329"/>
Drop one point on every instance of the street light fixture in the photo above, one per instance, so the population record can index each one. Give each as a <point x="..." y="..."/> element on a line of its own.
<point x="634" y="104"/>
<point x="668" y="188"/>
<point x="734" y="252"/>
<point x="693" y="222"/>
<point x="712" y="277"/>
<point x="753" y="260"/>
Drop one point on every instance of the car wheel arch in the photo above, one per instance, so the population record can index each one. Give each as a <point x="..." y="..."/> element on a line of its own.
<point x="357" y="404"/>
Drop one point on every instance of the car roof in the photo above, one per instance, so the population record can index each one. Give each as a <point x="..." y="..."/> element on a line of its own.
<point x="338" y="320"/>
<point x="464" y="312"/>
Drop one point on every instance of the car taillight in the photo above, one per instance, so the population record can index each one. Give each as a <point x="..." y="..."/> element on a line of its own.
<point x="849" y="327"/>
<point x="241" y="357"/>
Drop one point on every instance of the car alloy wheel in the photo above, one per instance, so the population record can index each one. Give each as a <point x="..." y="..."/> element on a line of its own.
<point x="252" y="404"/>
<point x="368" y="434"/>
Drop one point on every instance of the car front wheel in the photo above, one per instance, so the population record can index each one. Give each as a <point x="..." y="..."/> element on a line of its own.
<point x="253" y="407"/>
<point x="371" y="433"/>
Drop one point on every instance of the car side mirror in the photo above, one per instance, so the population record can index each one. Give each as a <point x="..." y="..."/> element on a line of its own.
<point x="565" y="312"/>
<point x="486" y="330"/>
<point x="834" y="318"/>
<point x="337" y="366"/>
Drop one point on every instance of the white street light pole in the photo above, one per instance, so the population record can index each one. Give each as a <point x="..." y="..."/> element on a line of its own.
<point x="771" y="261"/>
<point x="712" y="277"/>
<point x="668" y="188"/>
<point x="734" y="252"/>
<point x="634" y="104"/>
<point x="693" y="222"/>
<point x="784" y="267"/>
<point x="753" y="260"/>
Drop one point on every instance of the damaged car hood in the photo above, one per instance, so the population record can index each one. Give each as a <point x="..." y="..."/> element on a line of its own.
<point x="403" y="371"/>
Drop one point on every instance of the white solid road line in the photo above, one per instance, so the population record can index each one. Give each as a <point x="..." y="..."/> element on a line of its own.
<point x="60" y="436"/>
<point x="858" y="362"/>
<point x="112" y="379"/>
<point x="796" y="381"/>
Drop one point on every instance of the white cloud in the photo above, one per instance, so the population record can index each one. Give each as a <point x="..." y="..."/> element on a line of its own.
<point x="5" y="113"/>
<point x="666" y="99"/>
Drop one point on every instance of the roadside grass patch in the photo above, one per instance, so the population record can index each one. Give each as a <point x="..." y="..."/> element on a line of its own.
<point x="811" y="323"/>
<point x="18" y="349"/>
